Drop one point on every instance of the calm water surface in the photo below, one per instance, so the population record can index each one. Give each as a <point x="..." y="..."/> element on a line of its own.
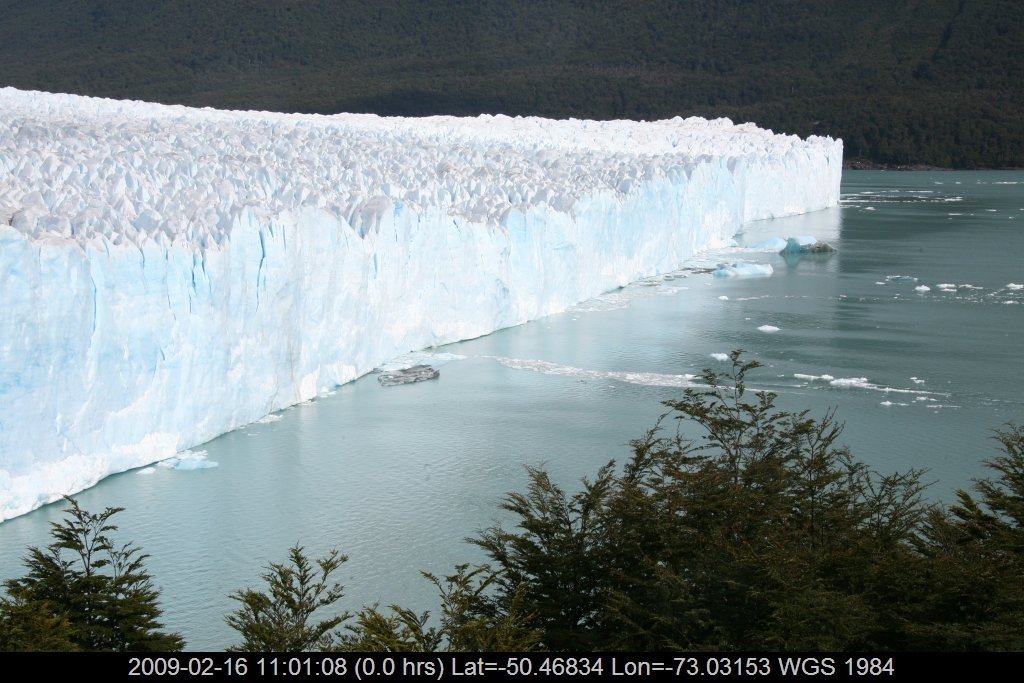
<point x="397" y="477"/>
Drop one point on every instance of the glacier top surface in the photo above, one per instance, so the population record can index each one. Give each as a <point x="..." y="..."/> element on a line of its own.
<point x="76" y="168"/>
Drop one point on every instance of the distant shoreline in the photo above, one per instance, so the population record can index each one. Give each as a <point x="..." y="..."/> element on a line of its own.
<point x="868" y="165"/>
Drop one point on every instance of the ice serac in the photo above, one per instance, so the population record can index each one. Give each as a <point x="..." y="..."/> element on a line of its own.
<point x="169" y="274"/>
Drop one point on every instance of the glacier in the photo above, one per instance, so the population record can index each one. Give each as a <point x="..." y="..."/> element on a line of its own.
<point x="168" y="274"/>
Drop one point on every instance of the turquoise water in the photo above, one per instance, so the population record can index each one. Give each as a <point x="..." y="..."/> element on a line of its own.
<point x="397" y="477"/>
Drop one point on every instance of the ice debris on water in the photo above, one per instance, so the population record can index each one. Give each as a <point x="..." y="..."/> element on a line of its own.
<point x="189" y="460"/>
<point x="641" y="378"/>
<point x="794" y="247"/>
<point x="743" y="270"/>
<point x="416" y="373"/>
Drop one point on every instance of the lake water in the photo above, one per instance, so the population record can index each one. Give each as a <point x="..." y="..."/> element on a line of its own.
<point x="397" y="477"/>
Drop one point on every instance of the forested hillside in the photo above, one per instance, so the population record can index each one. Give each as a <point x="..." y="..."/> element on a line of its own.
<point x="933" y="82"/>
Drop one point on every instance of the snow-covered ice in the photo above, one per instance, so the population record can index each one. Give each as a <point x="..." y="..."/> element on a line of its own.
<point x="170" y="274"/>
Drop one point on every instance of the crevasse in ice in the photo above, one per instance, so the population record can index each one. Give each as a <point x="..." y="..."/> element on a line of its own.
<point x="168" y="274"/>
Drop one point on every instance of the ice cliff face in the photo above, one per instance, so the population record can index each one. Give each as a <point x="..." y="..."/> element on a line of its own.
<point x="168" y="274"/>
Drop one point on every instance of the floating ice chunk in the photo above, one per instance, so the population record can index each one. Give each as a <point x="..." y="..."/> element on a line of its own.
<point x="794" y="246"/>
<point x="744" y="270"/>
<point x="642" y="378"/>
<point x="1013" y="285"/>
<point x="189" y="460"/>
<point x="812" y="378"/>
<point x="922" y="288"/>
<point x="768" y="328"/>
<point x="416" y="373"/>
<point x="900" y="278"/>
<point x="720" y="356"/>
<point x="863" y="383"/>
<point x="272" y="417"/>
<point x="947" y="287"/>
<point x="195" y="464"/>
<point x="915" y="380"/>
<point x="885" y="403"/>
<point x="851" y="383"/>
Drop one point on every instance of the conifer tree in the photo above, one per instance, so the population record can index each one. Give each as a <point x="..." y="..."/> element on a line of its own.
<point x="33" y="626"/>
<point x="281" y="619"/>
<point x="470" y="620"/>
<point x="85" y="590"/>
<point x="972" y="596"/>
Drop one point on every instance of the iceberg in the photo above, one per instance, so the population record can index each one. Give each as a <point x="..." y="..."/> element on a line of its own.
<point x="798" y="246"/>
<point x="410" y="375"/>
<point x="169" y="274"/>
<point x="743" y="270"/>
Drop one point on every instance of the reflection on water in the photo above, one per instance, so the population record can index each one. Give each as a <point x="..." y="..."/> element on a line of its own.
<point x="396" y="477"/>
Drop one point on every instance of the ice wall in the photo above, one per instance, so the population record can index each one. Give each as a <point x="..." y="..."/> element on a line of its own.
<point x="169" y="274"/>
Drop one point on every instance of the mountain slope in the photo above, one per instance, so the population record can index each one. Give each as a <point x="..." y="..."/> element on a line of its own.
<point x="914" y="82"/>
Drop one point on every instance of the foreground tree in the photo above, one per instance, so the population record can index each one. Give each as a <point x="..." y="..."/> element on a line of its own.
<point x="84" y="592"/>
<point x="470" y="621"/>
<point x="281" y="619"/>
<point x="27" y="626"/>
<point x="973" y="592"/>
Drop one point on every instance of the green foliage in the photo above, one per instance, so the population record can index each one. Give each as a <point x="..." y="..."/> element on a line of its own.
<point x="33" y="626"/>
<point x="557" y="558"/>
<point x="761" y="534"/>
<point x="84" y="592"/>
<point x="902" y="83"/>
<point x="470" y="621"/>
<point x="401" y="631"/>
<point x="281" y="618"/>
<point x="974" y="576"/>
